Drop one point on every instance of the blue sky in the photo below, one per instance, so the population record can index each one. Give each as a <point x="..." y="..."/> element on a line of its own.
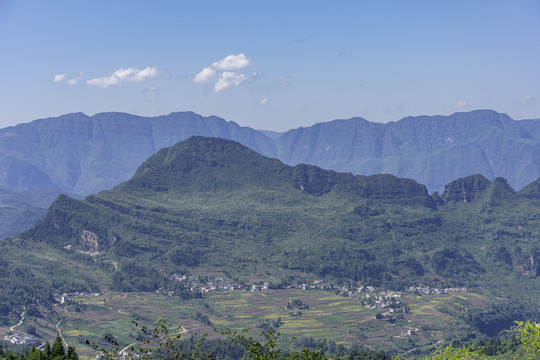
<point x="269" y="64"/>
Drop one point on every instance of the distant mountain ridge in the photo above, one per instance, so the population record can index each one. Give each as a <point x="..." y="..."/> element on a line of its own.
<point x="79" y="154"/>
<point x="433" y="150"/>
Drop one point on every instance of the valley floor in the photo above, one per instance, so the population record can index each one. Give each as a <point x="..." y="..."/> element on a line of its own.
<point x="410" y="324"/>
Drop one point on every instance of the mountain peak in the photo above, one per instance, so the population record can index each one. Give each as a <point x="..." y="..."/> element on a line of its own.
<point x="476" y="187"/>
<point x="499" y="192"/>
<point x="204" y="164"/>
<point x="465" y="189"/>
<point x="531" y="191"/>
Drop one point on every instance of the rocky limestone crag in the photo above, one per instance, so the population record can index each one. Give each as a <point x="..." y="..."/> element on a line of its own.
<point x="89" y="241"/>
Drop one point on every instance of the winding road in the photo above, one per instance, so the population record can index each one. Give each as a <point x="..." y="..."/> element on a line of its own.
<point x="58" y="327"/>
<point x="20" y="322"/>
<point x="428" y="346"/>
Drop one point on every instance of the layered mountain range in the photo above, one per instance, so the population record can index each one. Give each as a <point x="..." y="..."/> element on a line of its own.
<point x="80" y="155"/>
<point x="208" y="204"/>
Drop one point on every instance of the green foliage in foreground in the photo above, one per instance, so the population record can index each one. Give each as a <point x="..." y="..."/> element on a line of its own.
<point x="529" y="333"/>
<point x="450" y="353"/>
<point x="54" y="352"/>
<point x="161" y="343"/>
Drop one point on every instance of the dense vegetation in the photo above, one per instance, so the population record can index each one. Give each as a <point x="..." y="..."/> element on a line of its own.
<point x="54" y="352"/>
<point x="164" y="343"/>
<point x="210" y="203"/>
<point x="80" y="154"/>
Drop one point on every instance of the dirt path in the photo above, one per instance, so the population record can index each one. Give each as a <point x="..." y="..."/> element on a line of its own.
<point x="436" y="344"/>
<point x="58" y="327"/>
<point x="20" y="322"/>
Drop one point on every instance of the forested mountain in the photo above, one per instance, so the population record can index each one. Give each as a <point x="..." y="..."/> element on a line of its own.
<point x="77" y="154"/>
<point x="433" y="150"/>
<point x="22" y="209"/>
<point x="209" y="203"/>
<point x="81" y="155"/>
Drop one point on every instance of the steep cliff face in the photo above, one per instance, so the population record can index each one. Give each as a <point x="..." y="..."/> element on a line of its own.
<point x="465" y="189"/>
<point x="89" y="241"/>
<point x="476" y="188"/>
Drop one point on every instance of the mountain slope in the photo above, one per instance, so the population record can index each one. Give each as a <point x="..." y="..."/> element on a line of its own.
<point x="433" y="150"/>
<point x="79" y="154"/>
<point x="20" y="210"/>
<point x="209" y="203"/>
<point x="212" y="207"/>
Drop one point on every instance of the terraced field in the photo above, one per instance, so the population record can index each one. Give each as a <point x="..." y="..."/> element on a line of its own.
<point x="336" y="318"/>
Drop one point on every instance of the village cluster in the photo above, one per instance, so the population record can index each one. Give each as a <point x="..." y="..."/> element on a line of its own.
<point x="370" y="296"/>
<point x="205" y="286"/>
<point x="22" y="339"/>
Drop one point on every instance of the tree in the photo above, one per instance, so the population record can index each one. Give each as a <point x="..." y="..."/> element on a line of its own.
<point x="58" y="351"/>
<point x="269" y="350"/>
<point x="529" y="334"/>
<point x="47" y="351"/>
<point x="158" y="343"/>
<point x="451" y="353"/>
<point x="71" y="353"/>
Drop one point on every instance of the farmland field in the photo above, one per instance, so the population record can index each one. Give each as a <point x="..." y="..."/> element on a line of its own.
<point x="340" y="319"/>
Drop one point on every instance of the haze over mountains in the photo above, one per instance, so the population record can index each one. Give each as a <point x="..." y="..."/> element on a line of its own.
<point x="80" y="155"/>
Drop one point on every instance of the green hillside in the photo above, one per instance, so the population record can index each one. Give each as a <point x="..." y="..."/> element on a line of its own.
<point x="210" y="205"/>
<point x="79" y="154"/>
<point x="208" y="201"/>
<point x="21" y="210"/>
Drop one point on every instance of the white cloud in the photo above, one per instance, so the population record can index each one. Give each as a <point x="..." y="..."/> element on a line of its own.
<point x="144" y="74"/>
<point x="75" y="80"/>
<point x="204" y="75"/>
<point x="122" y="75"/>
<point x="298" y="41"/>
<point x="58" y="78"/>
<point x="462" y="103"/>
<point x="263" y="101"/>
<point x="232" y="62"/>
<point x="221" y="73"/>
<point x="229" y="79"/>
